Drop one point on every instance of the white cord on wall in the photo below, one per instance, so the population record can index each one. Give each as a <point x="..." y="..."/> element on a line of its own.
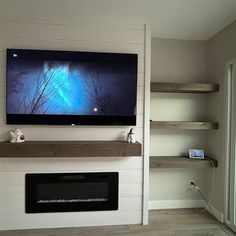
<point x="212" y="190"/>
<point x="212" y="181"/>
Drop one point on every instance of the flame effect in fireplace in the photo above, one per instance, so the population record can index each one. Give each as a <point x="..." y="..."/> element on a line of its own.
<point x="72" y="200"/>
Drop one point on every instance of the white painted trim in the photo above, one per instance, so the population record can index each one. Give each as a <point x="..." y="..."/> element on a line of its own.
<point x="175" y="204"/>
<point x="229" y="130"/>
<point x="146" y="124"/>
<point x="230" y="225"/>
<point x="226" y="144"/>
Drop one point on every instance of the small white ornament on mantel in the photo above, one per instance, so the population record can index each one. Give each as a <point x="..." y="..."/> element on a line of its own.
<point x="131" y="136"/>
<point x="17" y="136"/>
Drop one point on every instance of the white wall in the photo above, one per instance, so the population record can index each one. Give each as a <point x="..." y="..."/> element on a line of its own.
<point x="59" y="35"/>
<point x="177" y="61"/>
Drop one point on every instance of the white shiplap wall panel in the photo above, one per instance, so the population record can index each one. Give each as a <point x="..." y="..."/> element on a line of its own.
<point x="53" y="36"/>
<point x="12" y="194"/>
<point x="13" y="208"/>
<point x="71" y="133"/>
<point x="140" y="81"/>
<point x="2" y="119"/>
<point x="2" y="73"/>
<point x="141" y="65"/>
<point x="2" y="103"/>
<point x="17" y="207"/>
<point x="11" y="179"/>
<point x="2" y="58"/>
<point x="71" y="219"/>
<point x="18" y="178"/>
<point x="72" y="164"/>
<point x="139" y="107"/>
<point x="2" y="89"/>
<point x="130" y="190"/>
<point x="139" y="120"/>
<point x="67" y="32"/>
<point x="140" y="95"/>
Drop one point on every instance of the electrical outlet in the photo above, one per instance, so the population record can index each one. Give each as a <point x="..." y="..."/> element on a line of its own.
<point x="191" y="183"/>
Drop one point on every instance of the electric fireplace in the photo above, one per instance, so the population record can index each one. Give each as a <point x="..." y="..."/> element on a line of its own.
<point x="69" y="192"/>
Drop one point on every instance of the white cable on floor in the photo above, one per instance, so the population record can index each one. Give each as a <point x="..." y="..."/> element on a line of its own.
<point x="212" y="190"/>
<point x="197" y="189"/>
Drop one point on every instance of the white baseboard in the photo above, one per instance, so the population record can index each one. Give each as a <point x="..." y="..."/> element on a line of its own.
<point x="175" y="204"/>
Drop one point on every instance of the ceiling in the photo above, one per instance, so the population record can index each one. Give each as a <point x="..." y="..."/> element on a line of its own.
<point x="180" y="19"/>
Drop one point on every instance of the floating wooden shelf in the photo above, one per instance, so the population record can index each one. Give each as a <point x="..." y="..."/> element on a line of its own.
<point x="69" y="149"/>
<point x="183" y="87"/>
<point x="181" y="162"/>
<point x="183" y="125"/>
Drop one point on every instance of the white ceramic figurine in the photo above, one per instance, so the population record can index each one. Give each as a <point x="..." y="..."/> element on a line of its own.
<point x="17" y="136"/>
<point x="131" y="136"/>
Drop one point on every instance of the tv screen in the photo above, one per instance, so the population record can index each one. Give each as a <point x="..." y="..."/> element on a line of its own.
<point x="71" y="88"/>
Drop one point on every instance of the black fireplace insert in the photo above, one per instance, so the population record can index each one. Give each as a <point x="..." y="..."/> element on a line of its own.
<point x="69" y="192"/>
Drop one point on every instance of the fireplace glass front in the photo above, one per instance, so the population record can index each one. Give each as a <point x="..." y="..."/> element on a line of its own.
<point x="67" y="192"/>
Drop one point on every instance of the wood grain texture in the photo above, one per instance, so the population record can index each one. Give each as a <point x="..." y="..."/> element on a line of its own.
<point x="183" y="125"/>
<point x="184" y="87"/>
<point x="69" y="149"/>
<point x="181" y="162"/>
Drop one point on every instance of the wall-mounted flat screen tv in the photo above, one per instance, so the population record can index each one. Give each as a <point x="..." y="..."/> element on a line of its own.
<point x="71" y="88"/>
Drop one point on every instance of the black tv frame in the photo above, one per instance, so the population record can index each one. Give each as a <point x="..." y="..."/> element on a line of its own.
<point x="74" y="120"/>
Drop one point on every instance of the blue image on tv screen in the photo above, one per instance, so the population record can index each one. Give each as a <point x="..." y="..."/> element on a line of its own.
<point x="71" y="83"/>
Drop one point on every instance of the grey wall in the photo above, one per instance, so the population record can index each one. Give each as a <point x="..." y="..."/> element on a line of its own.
<point x="220" y="50"/>
<point x="177" y="61"/>
<point x="190" y="61"/>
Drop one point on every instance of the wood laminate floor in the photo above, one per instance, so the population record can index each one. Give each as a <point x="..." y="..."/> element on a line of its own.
<point x="181" y="222"/>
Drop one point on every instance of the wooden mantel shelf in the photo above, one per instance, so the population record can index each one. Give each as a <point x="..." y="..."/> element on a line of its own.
<point x="46" y="149"/>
